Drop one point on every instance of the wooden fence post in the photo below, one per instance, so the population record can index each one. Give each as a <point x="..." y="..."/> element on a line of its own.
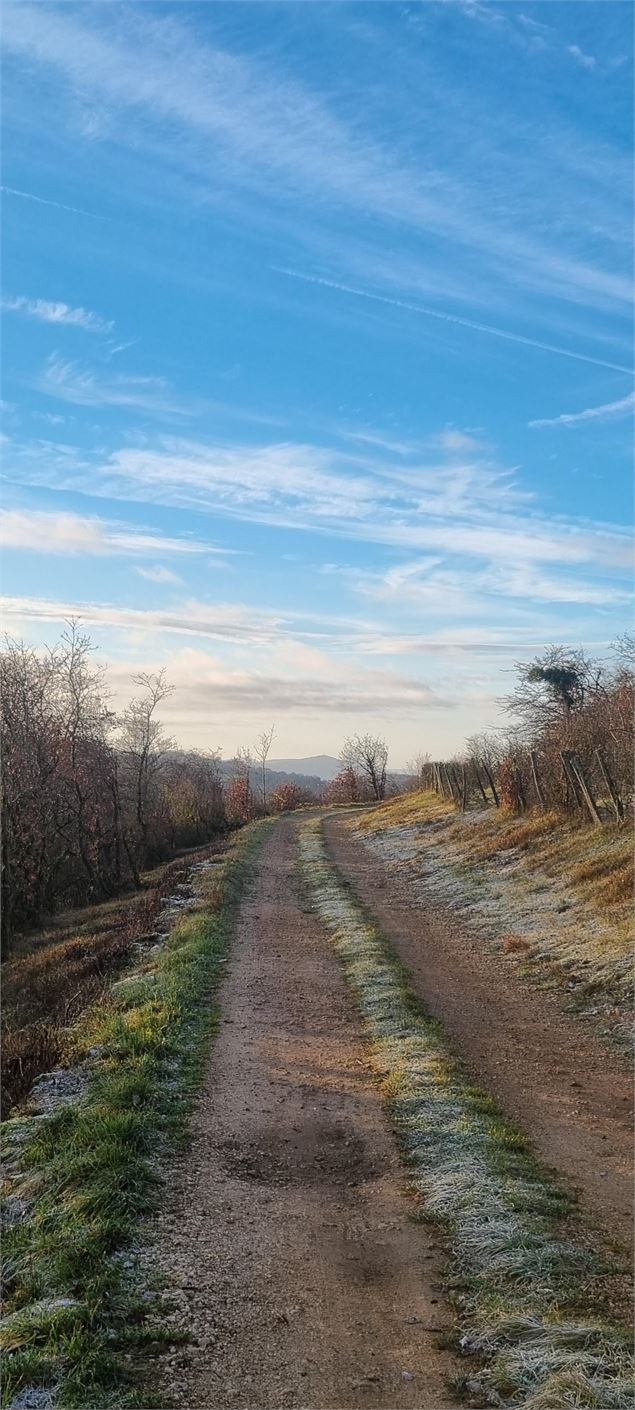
<point x="464" y="788"/>
<point x="534" y="774"/>
<point x="573" y="787"/>
<point x="492" y="785"/>
<point x="480" y="782"/>
<point x="578" y="772"/>
<point x="610" y="787"/>
<point x="454" y="783"/>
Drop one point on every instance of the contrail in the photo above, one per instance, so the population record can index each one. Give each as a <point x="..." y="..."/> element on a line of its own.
<point x="591" y="413"/>
<point x="450" y="318"/>
<point x="58" y="205"/>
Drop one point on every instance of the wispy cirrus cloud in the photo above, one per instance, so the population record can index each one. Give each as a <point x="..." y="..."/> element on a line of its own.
<point x="230" y="622"/>
<point x="42" y="531"/>
<point x="83" y="386"/>
<point x="440" y="586"/>
<point x="623" y="407"/>
<point x="460" y="505"/>
<point x="536" y="36"/>
<point x="210" y="685"/>
<point x="586" y="61"/>
<point x="159" y="574"/>
<point x="50" y="311"/>
<point x="193" y="89"/>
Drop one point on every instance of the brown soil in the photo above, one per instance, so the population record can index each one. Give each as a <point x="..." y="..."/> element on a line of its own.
<point x="288" y="1236"/>
<point x="567" y="1091"/>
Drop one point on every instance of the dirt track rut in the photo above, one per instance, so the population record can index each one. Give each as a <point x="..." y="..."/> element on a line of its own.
<point x="288" y="1234"/>
<point x="564" y="1088"/>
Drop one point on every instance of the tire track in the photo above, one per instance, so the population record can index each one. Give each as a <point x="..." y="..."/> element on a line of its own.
<point x="287" y="1235"/>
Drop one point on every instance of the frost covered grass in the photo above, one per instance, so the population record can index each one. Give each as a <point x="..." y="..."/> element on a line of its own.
<point x="79" y="1179"/>
<point x="564" y="889"/>
<point x="528" y="1293"/>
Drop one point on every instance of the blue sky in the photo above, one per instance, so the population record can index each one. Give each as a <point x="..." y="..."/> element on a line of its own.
<point x="317" y="352"/>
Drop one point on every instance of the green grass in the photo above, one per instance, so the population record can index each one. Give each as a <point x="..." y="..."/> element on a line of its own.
<point x="529" y="1287"/>
<point x="90" y="1172"/>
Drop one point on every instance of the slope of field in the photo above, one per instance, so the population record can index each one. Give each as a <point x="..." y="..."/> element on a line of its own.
<point x="550" y="897"/>
<point x="52" y="975"/>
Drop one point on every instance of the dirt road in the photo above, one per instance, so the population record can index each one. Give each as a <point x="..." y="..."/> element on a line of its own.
<point x="288" y="1233"/>
<point x="563" y="1088"/>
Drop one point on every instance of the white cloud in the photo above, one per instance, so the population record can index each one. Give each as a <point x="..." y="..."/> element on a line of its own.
<point x="462" y="505"/>
<point x="58" y="313"/>
<point x="159" y="575"/>
<point x="70" y="382"/>
<point x="592" y="413"/>
<point x="586" y="61"/>
<point x="436" y="585"/>
<point x="51" y="418"/>
<point x="279" y="138"/>
<point x="218" y="621"/>
<point x="454" y="440"/>
<point x="51" y="533"/>
<point x="526" y="584"/>
<point x="42" y="531"/>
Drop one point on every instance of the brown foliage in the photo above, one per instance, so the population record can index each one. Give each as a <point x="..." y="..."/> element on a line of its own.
<point x="88" y="800"/>
<point x="573" y="720"/>
<point x="286" y="797"/>
<point x="344" y="788"/>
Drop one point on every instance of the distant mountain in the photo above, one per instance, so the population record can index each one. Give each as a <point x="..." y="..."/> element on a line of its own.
<point x="311" y="783"/>
<point x="322" y="766"/>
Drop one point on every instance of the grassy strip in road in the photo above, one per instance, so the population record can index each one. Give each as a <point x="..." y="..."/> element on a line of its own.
<point x="525" y="1290"/>
<point x="87" y="1173"/>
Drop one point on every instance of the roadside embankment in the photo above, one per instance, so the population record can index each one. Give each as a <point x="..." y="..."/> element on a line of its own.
<point x="83" y="1161"/>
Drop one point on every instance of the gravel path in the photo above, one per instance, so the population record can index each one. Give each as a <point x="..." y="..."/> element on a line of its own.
<point x="568" y="1092"/>
<point x="287" y="1235"/>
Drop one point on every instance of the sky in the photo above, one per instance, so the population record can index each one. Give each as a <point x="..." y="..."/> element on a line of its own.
<point x="317" y="354"/>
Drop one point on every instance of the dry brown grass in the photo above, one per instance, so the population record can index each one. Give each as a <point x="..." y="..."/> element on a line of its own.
<point x="598" y="862"/>
<point x="408" y="808"/>
<point x="607" y="878"/>
<point x="500" y="832"/>
<point x="514" y="944"/>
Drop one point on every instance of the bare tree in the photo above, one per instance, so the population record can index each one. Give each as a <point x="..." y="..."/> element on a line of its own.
<point x="144" y="746"/>
<point x="553" y="687"/>
<point x="418" y="770"/>
<point x="261" y="750"/>
<point x="80" y="813"/>
<point x="367" y="754"/>
<point x="238" y="792"/>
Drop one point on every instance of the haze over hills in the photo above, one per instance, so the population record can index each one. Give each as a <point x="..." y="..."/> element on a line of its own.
<point x="322" y="766"/>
